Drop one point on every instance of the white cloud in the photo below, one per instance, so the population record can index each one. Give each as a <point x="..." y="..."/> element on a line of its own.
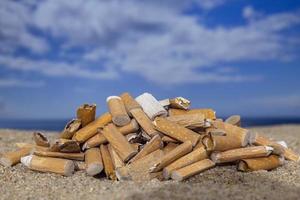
<point x="13" y="82"/>
<point x="152" y="39"/>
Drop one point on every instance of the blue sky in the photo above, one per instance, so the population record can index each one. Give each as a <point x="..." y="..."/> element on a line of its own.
<point x="236" y="56"/>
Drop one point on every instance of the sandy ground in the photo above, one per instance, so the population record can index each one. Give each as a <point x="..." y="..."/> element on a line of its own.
<point x="218" y="183"/>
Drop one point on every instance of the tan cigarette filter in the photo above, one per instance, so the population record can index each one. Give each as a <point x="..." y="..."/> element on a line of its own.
<point x="117" y="110"/>
<point x="40" y="139"/>
<point x="151" y="106"/>
<point x="144" y="121"/>
<point x="279" y="149"/>
<point x="71" y="156"/>
<point x="241" y="153"/>
<point x="139" y="170"/>
<point x="12" y="158"/>
<point x="65" y="146"/>
<point x="243" y="135"/>
<point x="173" y="155"/>
<point x="107" y="162"/>
<point x="91" y="129"/>
<point x="48" y="164"/>
<point x="234" y="120"/>
<point x="70" y="129"/>
<point x="176" y="131"/>
<point x="154" y="144"/>
<point x="99" y="138"/>
<point x="93" y="161"/>
<point x="86" y="113"/>
<point x="169" y="147"/>
<point x="31" y="146"/>
<point x="208" y="113"/>
<point x="119" y="142"/>
<point x="221" y="143"/>
<point x="192" y="169"/>
<point x="115" y="158"/>
<point x="190" y="121"/>
<point x="180" y="103"/>
<point x="168" y="139"/>
<point x="129" y="102"/>
<point x="190" y="158"/>
<point x="265" y="163"/>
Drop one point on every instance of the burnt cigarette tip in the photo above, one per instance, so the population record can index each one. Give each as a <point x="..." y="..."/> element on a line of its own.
<point x="26" y="160"/>
<point x="112" y="97"/>
<point x="166" y="174"/>
<point x="214" y="157"/>
<point x="69" y="168"/>
<point x="176" y="176"/>
<point x="94" y="169"/>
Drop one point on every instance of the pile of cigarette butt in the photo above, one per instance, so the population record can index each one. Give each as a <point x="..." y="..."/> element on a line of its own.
<point x="142" y="138"/>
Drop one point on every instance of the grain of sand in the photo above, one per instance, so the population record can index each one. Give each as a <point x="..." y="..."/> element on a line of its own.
<point x="218" y="183"/>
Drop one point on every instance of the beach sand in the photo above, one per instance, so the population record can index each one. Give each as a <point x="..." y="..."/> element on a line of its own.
<point x="218" y="183"/>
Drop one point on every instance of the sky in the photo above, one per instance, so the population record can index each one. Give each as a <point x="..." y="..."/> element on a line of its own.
<point x="235" y="56"/>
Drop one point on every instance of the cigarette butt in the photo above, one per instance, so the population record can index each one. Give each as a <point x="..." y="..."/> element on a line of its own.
<point x="191" y="121"/>
<point x="117" y="110"/>
<point x="241" y="153"/>
<point x="79" y="165"/>
<point x="115" y="158"/>
<point x="208" y="113"/>
<point x="70" y="156"/>
<point x="48" y="164"/>
<point x="168" y="139"/>
<point x="234" y="120"/>
<point x="279" y="149"/>
<point x="265" y="163"/>
<point x="99" y="138"/>
<point x="129" y="102"/>
<point x="107" y="162"/>
<point x="180" y="103"/>
<point x="93" y="161"/>
<point x="242" y="135"/>
<point x="176" y="131"/>
<point x="151" y="106"/>
<point x="119" y="142"/>
<point x="91" y="129"/>
<point x="191" y="170"/>
<point x="144" y="121"/>
<point x="173" y="155"/>
<point x="65" y="146"/>
<point x="40" y="139"/>
<point x="190" y="158"/>
<point x="12" y="158"/>
<point x="70" y="129"/>
<point x="169" y="147"/>
<point x="139" y="170"/>
<point x="31" y="146"/>
<point x="154" y="144"/>
<point x="221" y="143"/>
<point x="86" y="113"/>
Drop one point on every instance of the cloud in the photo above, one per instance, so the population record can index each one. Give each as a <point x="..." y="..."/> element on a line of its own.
<point x="152" y="39"/>
<point x="12" y="82"/>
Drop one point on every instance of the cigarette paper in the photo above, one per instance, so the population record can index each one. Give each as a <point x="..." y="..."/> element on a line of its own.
<point x="173" y="155"/>
<point x="190" y="121"/>
<point x="48" y="164"/>
<point x="93" y="161"/>
<point x="91" y="129"/>
<point x="151" y="106"/>
<point x="117" y="110"/>
<point x="71" y="156"/>
<point x="265" y="163"/>
<point x="176" y="131"/>
<point x="190" y="158"/>
<point x="119" y="142"/>
<point x="241" y="153"/>
<point x="220" y="143"/>
<point x="208" y="113"/>
<point x="191" y="170"/>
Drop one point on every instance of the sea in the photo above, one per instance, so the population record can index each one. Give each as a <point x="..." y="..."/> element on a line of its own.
<point x="59" y="124"/>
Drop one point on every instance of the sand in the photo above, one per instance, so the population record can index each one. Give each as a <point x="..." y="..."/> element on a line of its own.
<point x="218" y="183"/>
